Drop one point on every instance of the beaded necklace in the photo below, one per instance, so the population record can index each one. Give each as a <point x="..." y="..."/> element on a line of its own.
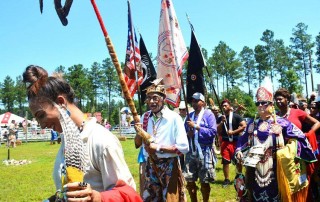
<point x="155" y="124"/>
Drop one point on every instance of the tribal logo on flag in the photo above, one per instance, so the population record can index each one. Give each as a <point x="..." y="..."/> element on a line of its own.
<point x="172" y="52"/>
<point x="196" y="62"/>
<point x="132" y="70"/>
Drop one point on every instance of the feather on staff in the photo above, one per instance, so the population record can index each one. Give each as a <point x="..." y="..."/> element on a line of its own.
<point x="74" y="152"/>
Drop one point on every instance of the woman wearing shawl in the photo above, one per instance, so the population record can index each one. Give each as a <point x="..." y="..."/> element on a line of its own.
<point x="90" y="162"/>
<point x="304" y="121"/>
<point x="274" y="152"/>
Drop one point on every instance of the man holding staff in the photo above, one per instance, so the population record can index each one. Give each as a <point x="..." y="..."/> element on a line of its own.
<point x="163" y="175"/>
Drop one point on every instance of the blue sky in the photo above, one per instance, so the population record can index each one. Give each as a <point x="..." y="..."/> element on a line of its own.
<point x="28" y="37"/>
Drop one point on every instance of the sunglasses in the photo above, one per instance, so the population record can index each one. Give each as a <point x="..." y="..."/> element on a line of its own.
<point x="262" y="103"/>
<point x="155" y="98"/>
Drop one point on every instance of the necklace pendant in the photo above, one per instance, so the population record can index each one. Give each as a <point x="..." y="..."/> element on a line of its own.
<point x="155" y="126"/>
<point x="263" y="126"/>
<point x="276" y="129"/>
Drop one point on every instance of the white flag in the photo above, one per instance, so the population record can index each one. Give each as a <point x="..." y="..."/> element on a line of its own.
<point x="172" y="52"/>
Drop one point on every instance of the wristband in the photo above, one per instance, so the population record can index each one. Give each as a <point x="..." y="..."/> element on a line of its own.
<point x="195" y="126"/>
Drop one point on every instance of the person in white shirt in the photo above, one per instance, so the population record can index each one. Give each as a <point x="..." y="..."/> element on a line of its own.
<point x="12" y="133"/>
<point x="163" y="176"/>
<point x="34" y="125"/>
<point x="124" y="122"/>
<point x="95" y="151"/>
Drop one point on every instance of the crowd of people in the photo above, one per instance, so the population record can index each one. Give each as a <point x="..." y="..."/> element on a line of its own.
<point x="276" y="151"/>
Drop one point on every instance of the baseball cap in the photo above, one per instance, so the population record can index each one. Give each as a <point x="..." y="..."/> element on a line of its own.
<point x="198" y="96"/>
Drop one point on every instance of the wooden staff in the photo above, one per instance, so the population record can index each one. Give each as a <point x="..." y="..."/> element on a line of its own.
<point x="117" y="65"/>
<point x="142" y="133"/>
<point x="240" y="106"/>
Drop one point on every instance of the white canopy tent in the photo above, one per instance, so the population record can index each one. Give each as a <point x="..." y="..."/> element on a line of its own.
<point x="6" y="118"/>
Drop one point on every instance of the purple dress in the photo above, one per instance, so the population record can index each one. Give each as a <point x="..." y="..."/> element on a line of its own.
<point x="263" y="176"/>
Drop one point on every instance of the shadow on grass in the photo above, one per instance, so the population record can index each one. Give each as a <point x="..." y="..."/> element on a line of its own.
<point x="218" y="169"/>
<point x="220" y="182"/>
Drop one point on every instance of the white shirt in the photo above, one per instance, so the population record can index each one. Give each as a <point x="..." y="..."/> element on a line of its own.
<point x="106" y="159"/>
<point x="169" y="131"/>
<point x="124" y="120"/>
<point x="34" y="124"/>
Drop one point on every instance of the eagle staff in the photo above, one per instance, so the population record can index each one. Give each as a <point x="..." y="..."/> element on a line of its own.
<point x="142" y="133"/>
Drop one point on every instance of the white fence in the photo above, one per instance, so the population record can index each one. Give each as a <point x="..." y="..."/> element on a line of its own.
<point x="39" y="135"/>
<point x="125" y="130"/>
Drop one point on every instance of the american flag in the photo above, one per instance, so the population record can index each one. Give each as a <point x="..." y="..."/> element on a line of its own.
<point x="133" y="74"/>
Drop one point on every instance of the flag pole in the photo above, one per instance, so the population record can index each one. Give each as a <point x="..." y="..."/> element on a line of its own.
<point x="210" y="79"/>
<point x="132" y="38"/>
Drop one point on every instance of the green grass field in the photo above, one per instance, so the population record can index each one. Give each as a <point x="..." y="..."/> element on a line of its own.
<point x="33" y="182"/>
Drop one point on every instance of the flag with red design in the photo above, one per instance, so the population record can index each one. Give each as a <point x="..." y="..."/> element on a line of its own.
<point x="133" y="74"/>
<point x="172" y="52"/>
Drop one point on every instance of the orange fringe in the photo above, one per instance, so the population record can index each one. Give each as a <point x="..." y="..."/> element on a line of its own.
<point x="301" y="195"/>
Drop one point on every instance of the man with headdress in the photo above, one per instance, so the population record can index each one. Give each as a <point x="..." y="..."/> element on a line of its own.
<point x="230" y="126"/>
<point x="200" y="161"/>
<point x="274" y="152"/>
<point x="163" y="175"/>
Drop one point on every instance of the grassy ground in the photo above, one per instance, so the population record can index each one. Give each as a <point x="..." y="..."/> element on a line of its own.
<point x="33" y="182"/>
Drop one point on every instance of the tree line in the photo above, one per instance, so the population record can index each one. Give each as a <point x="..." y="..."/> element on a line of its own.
<point x="291" y="66"/>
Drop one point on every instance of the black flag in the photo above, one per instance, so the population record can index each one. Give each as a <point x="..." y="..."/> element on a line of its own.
<point x="149" y="73"/>
<point x="195" y="80"/>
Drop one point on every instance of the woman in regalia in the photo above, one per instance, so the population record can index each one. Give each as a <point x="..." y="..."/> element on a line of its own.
<point x="275" y="153"/>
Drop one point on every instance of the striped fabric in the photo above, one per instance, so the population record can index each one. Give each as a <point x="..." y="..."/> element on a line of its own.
<point x="132" y="69"/>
